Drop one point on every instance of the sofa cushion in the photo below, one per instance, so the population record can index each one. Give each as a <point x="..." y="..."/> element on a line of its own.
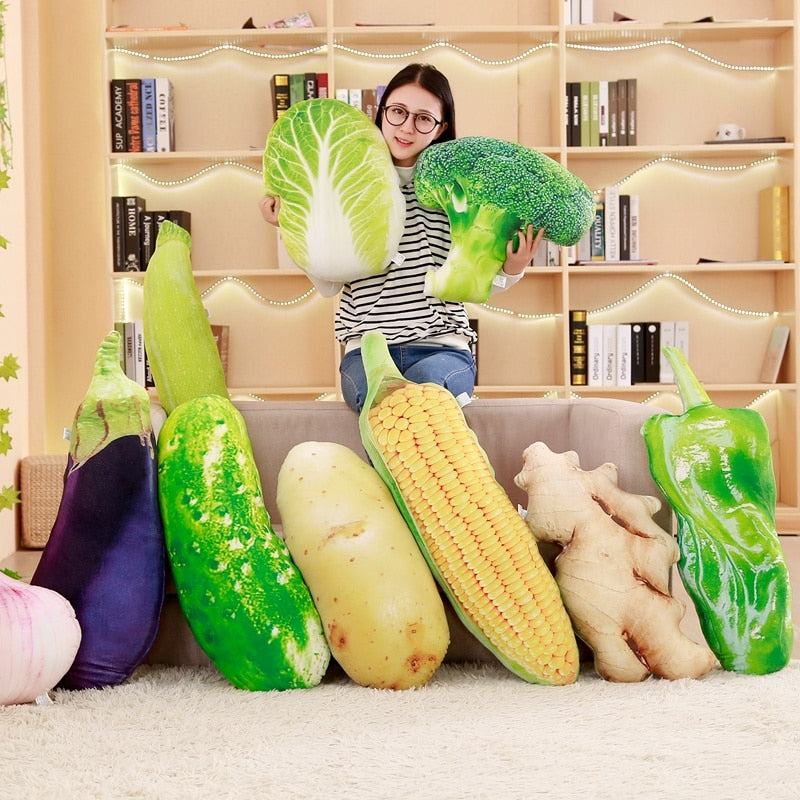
<point x="598" y="429"/>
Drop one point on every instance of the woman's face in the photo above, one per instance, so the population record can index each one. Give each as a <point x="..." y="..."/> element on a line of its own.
<point x="405" y="141"/>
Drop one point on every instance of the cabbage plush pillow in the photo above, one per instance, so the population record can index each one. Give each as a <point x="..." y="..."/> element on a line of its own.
<point x="342" y="211"/>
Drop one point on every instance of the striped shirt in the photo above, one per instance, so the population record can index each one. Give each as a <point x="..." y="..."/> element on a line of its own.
<point x="394" y="302"/>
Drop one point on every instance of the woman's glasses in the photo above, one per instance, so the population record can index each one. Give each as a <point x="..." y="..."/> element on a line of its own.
<point x="397" y="115"/>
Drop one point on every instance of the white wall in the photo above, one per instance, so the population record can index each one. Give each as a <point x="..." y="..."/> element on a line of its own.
<point x="13" y="281"/>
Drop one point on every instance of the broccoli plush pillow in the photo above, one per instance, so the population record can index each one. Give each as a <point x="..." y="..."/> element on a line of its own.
<point x="342" y="210"/>
<point x="490" y="189"/>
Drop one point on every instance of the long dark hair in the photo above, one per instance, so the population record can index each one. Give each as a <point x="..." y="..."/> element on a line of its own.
<point x="433" y="81"/>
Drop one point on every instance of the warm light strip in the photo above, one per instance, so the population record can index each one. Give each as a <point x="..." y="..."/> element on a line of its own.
<point x="244" y="284"/>
<point x="320" y="48"/>
<point x="500" y="62"/>
<point x="682" y="162"/>
<point x="680" y="279"/>
<point x="266" y="300"/>
<point x="631" y="295"/>
<point x="617" y="48"/>
<point x="189" y="178"/>
<point x="226" y="46"/>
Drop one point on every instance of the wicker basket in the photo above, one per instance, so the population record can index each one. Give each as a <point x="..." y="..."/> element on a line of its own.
<point x="41" y="482"/>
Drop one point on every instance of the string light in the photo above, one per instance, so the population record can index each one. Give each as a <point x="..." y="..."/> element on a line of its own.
<point x="266" y="300"/>
<point x="442" y="43"/>
<point x="618" y="48"/>
<point x="689" y="285"/>
<point x="210" y="51"/>
<point x="499" y="62"/>
<point x="189" y="178"/>
<point x="227" y="279"/>
<point x="682" y="162"/>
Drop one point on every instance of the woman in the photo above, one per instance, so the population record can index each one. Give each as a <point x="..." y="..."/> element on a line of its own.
<point x="430" y="340"/>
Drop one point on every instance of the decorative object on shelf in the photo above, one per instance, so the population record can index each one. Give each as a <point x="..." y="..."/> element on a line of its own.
<point x="380" y="608"/>
<point x="490" y="189"/>
<point x="714" y="466"/>
<point x="105" y="554"/>
<point x="613" y="569"/>
<point x="464" y="522"/>
<point x="341" y="208"/>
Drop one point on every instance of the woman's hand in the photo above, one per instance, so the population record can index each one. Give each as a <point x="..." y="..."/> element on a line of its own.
<point x="270" y="207"/>
<point x="517" y="260"/>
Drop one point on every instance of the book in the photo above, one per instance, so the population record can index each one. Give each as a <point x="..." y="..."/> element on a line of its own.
<point x="148" y="102"/>
<point x="622" y="111"/>
<point x="165" y="116"/>
<point x="609" y="355"/>
<point x="133" y="116"/>
<point x="597" y="232"/>
<point x="577" y="347"/>
<point x="594" y="113"/>
<point x="310" y="86"/>
<point x="594" y="354"/>
<point x="774" y="224"/>
<point x="603" y="124"/>
<point x="634" y="228"/>
<point x="133" y="206"/>
<point x="665" y="373"/>
<point x="586" y="114"/>
<point x="355" y="98"/>
<point x="583" y="250"/>
<point x="369" y="99"/>
<point x="138" y="352"/>
<point x="611" y="227"/>
<point x="343" y="94"/>
<point x="624" y="227"/>
<point x="613" y="114"/>
<point x="322" y="84"/>
<point x="631" y="103"/>
<point x="182" y="218"/>
<point x="773" y="356"/>
<point x="148" y="232"/>
<point x="279" y="84"/>
<point x="682" y="336"/>
<point x="652" y="352"/>
<point x="297" y="88"/>
<point x="129" y="349"/>
<point x="575" y="114"/>
<point x="118" y="233"/>
<point x="117" y="96"/>
<point x="750" y="140"/>
<point x="623" y="376"/>
<point x="637" y="352"/>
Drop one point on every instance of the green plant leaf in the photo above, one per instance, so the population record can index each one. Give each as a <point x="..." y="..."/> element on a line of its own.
<point x="9" y="367"/>
<point x="8" y="497"/>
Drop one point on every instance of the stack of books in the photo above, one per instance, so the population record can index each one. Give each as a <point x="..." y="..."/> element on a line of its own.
<point x="134" y="231"/>
<point x="142" y="115"/>
<point x="601" y="113"/>
<point x="615" y="233"/>
<point x="290" y="88"/>
<point x="623" y="354"/>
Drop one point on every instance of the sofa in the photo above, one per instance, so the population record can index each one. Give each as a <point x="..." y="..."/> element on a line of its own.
<point x="598" y="429"/>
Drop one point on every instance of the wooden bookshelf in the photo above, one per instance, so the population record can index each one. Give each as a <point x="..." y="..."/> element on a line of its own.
<point x="508" y="63"/>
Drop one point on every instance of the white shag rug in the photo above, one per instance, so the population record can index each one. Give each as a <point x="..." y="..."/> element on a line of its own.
<point x="475" y="731"/>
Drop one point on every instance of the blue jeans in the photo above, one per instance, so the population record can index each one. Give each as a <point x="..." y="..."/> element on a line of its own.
<point x="447" y="366"/>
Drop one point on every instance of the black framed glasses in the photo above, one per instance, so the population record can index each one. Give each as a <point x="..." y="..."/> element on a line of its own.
<point x="397" y="115"/>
